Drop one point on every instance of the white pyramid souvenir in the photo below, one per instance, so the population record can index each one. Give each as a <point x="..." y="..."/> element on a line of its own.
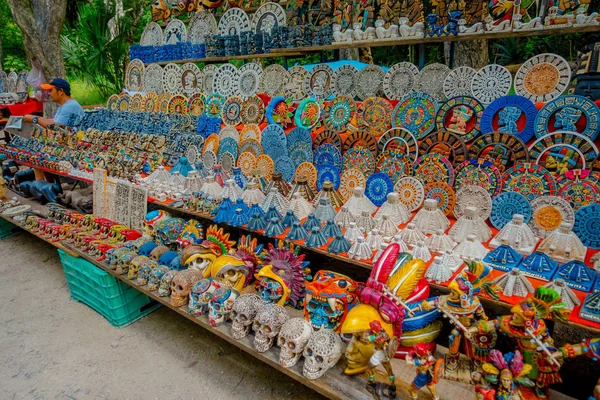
<point x="360" y="250"/>
<point x="439" y="242"/>
<point x="517" y="235"/>
<point x="514" y="283"/>
<point x="359" y="203"/>
<point x="365" y="222"/>
<point x="231" y="191"/>
<point x="438" y="271"/>
<point x="211" y="188"/>
<point x="453" y="261"/>
<point x="567" y="295"/>
<point x="411" y="235"/>
<point x="563" y="245"/>
<point x="398" y="239"/>
<point x="470" y="249"/>
<point x="387" y="227"/>
<point x="374" y="239"/>
<point x="470" y="224"/>
<point x="299" y="205"/>
<point x="193" y="182"/>
<point x="397" y="211"/>
<point x="430" y="218"/>
<point x="177" y="182"/>
<point x="252" y="194"/>
<point x="160" y="175"/>
<point x="353" y="233"/>
<point x="274" y="198"/>
<point x="343" y="218"/>
<point x="421" y="251"/>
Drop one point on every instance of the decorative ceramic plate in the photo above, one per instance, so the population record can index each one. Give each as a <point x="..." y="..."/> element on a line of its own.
<point x="286" y="167"/>
<point x="587" y="220"/>
<point x="152" y="35"/>
<point x="209" y="159"/>
<point x="447" y="144"/>
<point x="320" y="81"/>
<point x="249" y="79"/>
<point x="211" y="143"/>
<point x="267" y="17"/>
<point x="134" y="76"/>
<point x="300" y="152"/>
<point x="480" y="172"/>
<point x="213" y="106"/>
<point x="394" y="163"/>
<point x="295" y="89"/>
<point x="265" y="165"/>
<point x="410" y="192"/>
<point x="377" y="114"/>
<point x="328" y="172"/>
<point x="502" y="149"/>
<point x="151" y="102"/>
<point x="135" y="105"/>
<point x="113" y="102"/>
<point x="124" y="100"/>
<point x="274" y="141"/>
<point x="299" y="135"/>
<point x="344" y="81"/>
<point x="175" y="32"/>
<point x="233" y="22"/>
<point x="510" y="114"/>
<point x="399" y="139"/>
<point x="530" y="180"/>
<point x="196" y="104"/>
<point x="247" y="162"/>
<point x="460" y="115"/>
<point x="153" y="78"/>
<point x="431" y="80"/>
<point x="361" y="138"/>
<point x="308" y="170"/>
<point x="163" y="102"/>
<point x="253" y="110"/>
<point x="507" y="204"/>
<point x="226" y="80"/>
<point x="473" y="196"/>
<point x="399" y="80"/>
<point x="490" y="83"/>
<point x="251" y="146"/>
<point x="308" y="113"/>
<point x="191" y="79"/>
<point x="434" y="167"/>
<point x="274" y="80"/>
<point x="458" y="82"/>
<point x="192" y="154"/>
<point x="227" y="161"/>
<point x="172" y="79"/>
<point x="232" y="111"/>
<point x="547" y="213"/>
<point x="201" y="25"/>
<point x="250" y="131"/>
<point x="209" y="74"/>
<point x="339" y="113"/>
<point x="569" y="113"/>
<point x="229" y="132"/>
<point x="562" y="151"/>
<point x="543" y="77"/>
<point x="327" y="154"/>
<point x="369" y="82"/>
<point x="351" y="178"/>
<point x="443" y="193"/>
<point x="378" y="186"/>
<point x="361" y="158"/>
<point x="579" y="187"/>
<point x="416" y="113"/>
<point x="328" y="137"/>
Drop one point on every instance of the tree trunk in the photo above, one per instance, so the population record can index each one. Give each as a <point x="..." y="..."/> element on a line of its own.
<point x="1" y="54"/>
<point x="469" y="53"/>
<point x="41" y="22"/>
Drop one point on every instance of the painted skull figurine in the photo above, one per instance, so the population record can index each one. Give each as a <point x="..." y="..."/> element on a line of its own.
<point x="124" y="261"/>
<point x="182" y="284"/>
<point x="113" y="257"/>
<point x="146" y="248"/>
<point x="152" y="219"/>
<point x="145" y="270"/>
<point x="164" y="289"/>
<point x="195" y="257"/>
<point x="293" y="337"/>
<point x="329" y="297"/>
<point x="230" y="271"/>
<point x="221" y="305"/>
<point x="244" y="311"/>
<point x="134" y="266"/>
<point x="157" y="252"/>
<point x="200" y="296"/>
<point x="267" y="324"/>
<point x="155" y="277"/>
<point x="322" y="352"/>
<point x="168" y="231"/>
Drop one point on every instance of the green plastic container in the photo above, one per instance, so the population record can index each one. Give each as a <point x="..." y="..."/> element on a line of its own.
<point x="8" y="229"/>
<point x="119" y="303"/>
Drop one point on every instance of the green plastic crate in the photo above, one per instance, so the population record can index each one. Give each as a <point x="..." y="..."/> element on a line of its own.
<point x="119" y="303"/>
<point x="8" y="229"/>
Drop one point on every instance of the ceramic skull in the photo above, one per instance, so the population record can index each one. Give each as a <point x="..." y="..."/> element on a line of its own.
<point x="157" y="252"/>
<point x="293" y="337"/>
<point x="182" y="284"/>
<point x="267" y="324"/>
<point x="152" y="219"/>
<point x="134" y="267"/>
<point x="322" y="352"/>
<point x="243" y="314"/>
<point x="221" y="305"/>
<point x="124" y="261"/>
<point x="156" y="276"/>
<point x="146" y="268"/>
<point x="200" y="296"/>
<point x="164" y="288"/>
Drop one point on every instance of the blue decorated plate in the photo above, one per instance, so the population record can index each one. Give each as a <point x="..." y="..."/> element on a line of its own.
<point x="379" y="185"/>
<point x="328" y="154"/>
<point x="285" y="165"/>
<point x="507" y="204"/>
<point x="328" y="172"/>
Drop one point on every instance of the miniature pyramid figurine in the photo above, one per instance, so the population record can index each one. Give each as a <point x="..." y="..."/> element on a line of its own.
<point x="239" y="178"/>
<point x="331" y="229"/>
<point x="596" y="260"/>
<point x="193" y="182"/>
<point x="380" y="251"/>
<point x="301" y="186"/>
<point x="539" y="265"/>
<point x="503" y="258"/>
<point x="397" y="211"/>
<point x="311" y="222"/>
<point x="316" y="238"/>
<point x="470" y="249"/>
<point x="289" y="219"/>
<point x="231" y="190"/>
<point x="273" y="213"/>
<point x="374" y="239"/>
<point x="453" y="261"/>
<point x="360" y="250"/>
<point x="365" y="222"/>
<point x="420" y="251"/>
<point x="514" y="283"/>
<point x="343" y="218"/>
<point x="430" y="218"/>
<point x="328" y="191"/>
<point x="212" y="188"/>
<point x="567" y="295"/>
<point x="563" y="245"/>
<point x="411" y="235"/>
<point x="339" y="245"/>
<point x="438" y="271"/>
<point x="252" y="194"/>
<point x="226" y="211"/>
<point x="255" y="208"/>
<point x="183" y="166"/>
<point x="353" y="233"/>
<point x="577" y="275"/>
<point x="398" y="239"/>
<point x="300" y="206"/>
<point x="297" y="232"/>
<point x="439" y="242"/>
<point x="240" y="218"/>
<point x="470" y="224"/>
<point x="517" y="235"/>
<point x="359" y="203"/>
<point x="159" y="176"/>
<point x="274" y="227"/>
<point x="281" y="184"/>
<point x="177" y="181"/>
<point x="258" y="178"/>
<point x="257" y="222"/>
<point x="324" y="210"/>
<point x="387" y="227"/>
<point x="274" y="198"/>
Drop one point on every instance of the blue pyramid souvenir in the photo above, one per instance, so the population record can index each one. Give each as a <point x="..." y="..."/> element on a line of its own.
<point x="239" y="178"/>
<point x="503" y="258"/>
<point x="316" y="238"/>
<point x="289" y="219"/>
<point x="324" y="210"/>
<point x="240" y="204"/>
<point x="339" y="245"/>
<point x="274" y="228"/>
<point x="226" y="210"/>
<point x="539" y="265"/>
<point x="257" y="222"/>
<point x="297" y="232"/>
<point x="255" y="208"/>
<point x="331" y="229"/>
<point x="577" y="275"/>
<point x="240" y="218"/>
<point x="183" y="166"/>
<point x="311" y="222"/>
<point x="591" y="307"/>
<point x="273" y="213"/>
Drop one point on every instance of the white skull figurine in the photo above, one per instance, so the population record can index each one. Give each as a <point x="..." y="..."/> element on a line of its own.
<point x="322" y="352"/>
<point x="267" y="324"/>
<point x="292" y="340"/>
<point x="244" y="312"/>
<point x="220" y="305"/>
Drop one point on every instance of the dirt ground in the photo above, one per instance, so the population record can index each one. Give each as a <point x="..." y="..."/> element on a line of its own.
<point x="55" y="348"/>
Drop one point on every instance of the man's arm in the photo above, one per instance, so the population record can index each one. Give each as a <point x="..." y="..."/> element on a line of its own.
<point x="44" y="122"/>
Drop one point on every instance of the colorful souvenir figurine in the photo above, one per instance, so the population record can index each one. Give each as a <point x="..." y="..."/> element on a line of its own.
<point x="429" y="370"/>
<point x="221" y="305"/>
<point x="230" y="271"/>
<point x="191" y="234"/>
<point x="151" y="221"/>
<point x="504" y="375"/>
<point x="202" y="257"/>
<point x="167" y="231"/>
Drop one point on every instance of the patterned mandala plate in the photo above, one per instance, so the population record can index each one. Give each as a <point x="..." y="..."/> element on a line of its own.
<point x="447" y="144"/>
<point x="178" y="105"/>
<point x="137" y="100"/>
<point x="369" y="82"/>
<point x="416" y="113"/>
<point x="473" y="196"/>
<point x="249" y="76"/>
<point x="328" y="137"/>
<point x="378" y="186"/>
<point x="267" y="17"/>
<point x="134" y="76"/>
<point x="460" y="115"/>
<point x="562" y="151"/>
<point x="507" y="204"/>
<point x="411" y="192"/>
<point x="265" y="165"/>
<point x="376" y="114"/>
<point x="209" y="73"/>
<point x="587" y="225"/>
<point x="328" y="154"/>
<point x="308" y="113"/>
<point x="226" y="80"/>
<point x="229" y="132"/>
<point x="232" y="111"/>
<point x="175" y="32"/>
<point x="328" y="172"/>
<point x="152" y="35"/>
<point x="151" y="102"/>
<point x="228" y="145"/>
<point x="201" y="25"/>
<point x="431" y="80"/>
<point x="344" y="81"/>
<point x="300" y="152"/>
<point x="434" y="167"/>
<point x="171" y="81"/>
<point x="360" y="158"/>
<point x="458" y="82"/>
<point x="251" y="146"/>
<point x="399" y="139"/>
<point x="274" y="80"/>
<point x="395" y="164"/>
<point x="530" y="180"/>
<point x="274" y="142"/>
<point x="399" y="80"/>
<point x="543" y="77"/>
<point x="227" y="161"/>
<point x="443" y="193"/>
<point x="502" y="149"/>
<point x="285" y="165"/>
<point x="253" y="110"/>
<point x="339" y="113"/>
<point x="490" y="83"/>
<point x="569" y="113"/>
<point x="479" y="172"/>
<point x="547" y="213"/>
<point x="247" y="162"/>
<point x="299" y="135"/>
<point x="233" y="22"/>
<point x="351" y="178"/>
<point x="251" y="131"/>
<point x="308" y="170"/>
<point x="196" y="104"/>
<point x="511" y="114"/>
<point x="211" y="143"/>
<point x="213" y="106"/>
<point x="113" y="102"/>
<point x="296" y="88"/>
<point x="320" y="81"/>
<point x="209" y="159"/>
<point x="361" y="138"/>
<point x="579" y="187"/>
<point x="153" y="79"/>
<point x="191" y="79"/>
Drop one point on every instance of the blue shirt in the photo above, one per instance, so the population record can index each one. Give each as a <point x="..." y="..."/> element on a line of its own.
<point x="69" y="113"/>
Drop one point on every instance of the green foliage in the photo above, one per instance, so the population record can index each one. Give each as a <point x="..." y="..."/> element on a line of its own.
<point x="13" y="52"/>
<point x="86" y="94"/>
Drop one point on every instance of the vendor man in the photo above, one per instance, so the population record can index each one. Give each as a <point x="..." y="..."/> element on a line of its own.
<point x="69" y="111"/>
